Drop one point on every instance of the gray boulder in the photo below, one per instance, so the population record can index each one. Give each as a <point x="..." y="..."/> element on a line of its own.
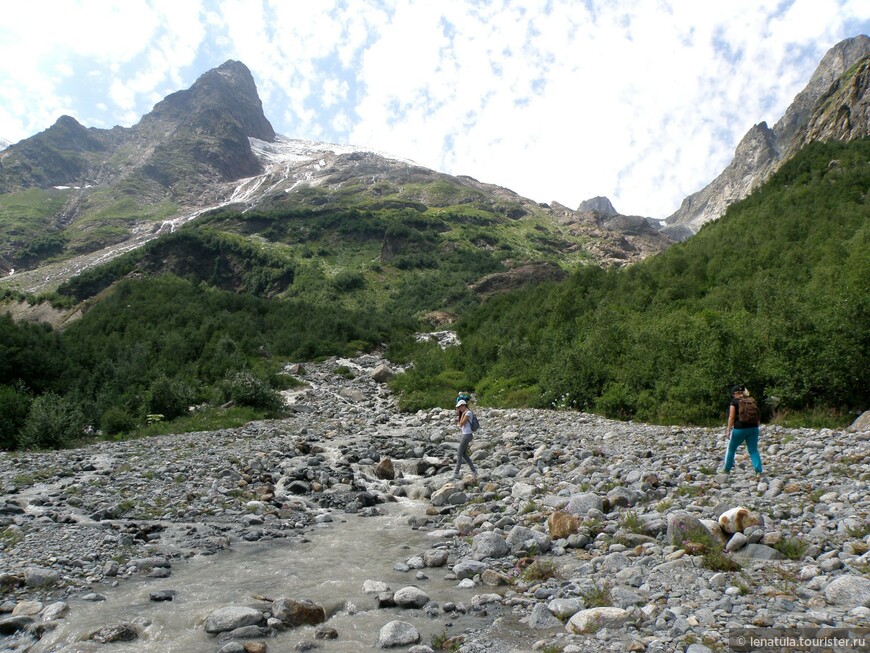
<point x="468" y="569"/>
<point x="398" y="633"/>
<point x="594" y="619"/>
<point x="849" y="591"/>
<point x="758" y="552"/>
<point x="410" y="598"/>
<point x="489" y="545"/>
<point x="122" y="632"/>
<point x="40" y="577"/>
<point x="580" y="504"/>
<point x="232" y="617"/>
<point x="382" y="374"/>
<point x="520" y="537"/>
<point x="541" y="618"/>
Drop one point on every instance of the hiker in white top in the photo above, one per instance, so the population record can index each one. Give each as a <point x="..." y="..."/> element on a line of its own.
<point x="463" y="419"/>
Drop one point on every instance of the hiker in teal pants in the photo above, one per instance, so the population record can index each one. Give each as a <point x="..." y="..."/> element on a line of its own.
<point x="739" y="432"/>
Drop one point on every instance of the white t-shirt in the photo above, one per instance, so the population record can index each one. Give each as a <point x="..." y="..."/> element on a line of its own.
<point x="466" y="428"/>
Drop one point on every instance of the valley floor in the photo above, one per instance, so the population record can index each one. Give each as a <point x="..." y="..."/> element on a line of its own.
<point x="77" y="523"/>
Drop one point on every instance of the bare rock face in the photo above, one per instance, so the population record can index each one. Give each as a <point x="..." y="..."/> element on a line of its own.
<point x="599" y="204"/>
<point x="834" y="105"/>
<point x="512" y="279"/>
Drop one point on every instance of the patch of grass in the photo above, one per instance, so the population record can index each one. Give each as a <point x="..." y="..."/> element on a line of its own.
<point x="792" y="548"/>
<point x="816" y="494"/>
<point x="686" y="490"/>
<point x="23" y="480"/>
<point x="595" y="526"/>
<point x="664" y="505"/>
<point x="818" y="418"/>
<point x="860" y="548"/>
<point x="631" y="522"/>
<point x="859" y="532"/>
<point x="598" y="598"/>
<point x="707" y="470"/>
<point x="701" y="542"/>
<point x="540" y="570"/>
<point x="11" y="537"/>
<point x="528" y="507"/>
<point x="125" y="506"/>
<point x="210" y="419"/>
<point x="552" y="648"/>
<point x="443" y="641"/>
<point x="344" y="371"/>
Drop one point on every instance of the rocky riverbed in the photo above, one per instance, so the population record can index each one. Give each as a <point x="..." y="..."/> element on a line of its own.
<point x="580" y="533"/>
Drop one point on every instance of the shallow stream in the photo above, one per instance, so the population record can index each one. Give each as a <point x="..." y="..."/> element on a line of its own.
<point x="329" y="568"/>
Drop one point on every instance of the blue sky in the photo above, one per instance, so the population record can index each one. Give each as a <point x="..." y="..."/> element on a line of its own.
<point x="641" y="101"/>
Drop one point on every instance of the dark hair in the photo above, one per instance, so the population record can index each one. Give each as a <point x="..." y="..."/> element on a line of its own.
<point x="736" y="388"/>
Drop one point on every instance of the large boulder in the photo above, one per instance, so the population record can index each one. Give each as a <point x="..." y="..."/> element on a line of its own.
<point x="521" y="537"/>
<point x="580" y="504"/>
<point x="489" y="545"/>
<point x="410" y="597"/>
<point x="39" y="577"/>
<point x="593" y="619"/>
<point x="298" y="613"/>
<point x="683" y="527"/>
<point x="561" y="524"/>
<point x="758" y="552"/>
<point x="737" y="520"/>
<point x="385" y="470"/>
<point x="541" y="618"/>
<point x="397" y="633"/>
<point x="122" y="632"/>
<point x="860" y="424"/>
<point x="232" y="617"/>
<point x="383" y="374"/>
<point x="849" y="591"/>
<point x="468" y="569"/>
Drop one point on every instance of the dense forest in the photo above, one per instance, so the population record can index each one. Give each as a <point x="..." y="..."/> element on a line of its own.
<point x="776" y="295"/>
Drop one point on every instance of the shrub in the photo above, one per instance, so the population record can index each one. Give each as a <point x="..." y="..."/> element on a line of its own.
<point x="169" y="397"/>
<point x="245" y="389"/>
<point x="52" y="422"/>
<point x="116" y="420"/>
<point x="14" y="407"/>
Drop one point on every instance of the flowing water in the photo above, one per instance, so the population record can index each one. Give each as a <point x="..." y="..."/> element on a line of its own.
<point x="329" y="568"/>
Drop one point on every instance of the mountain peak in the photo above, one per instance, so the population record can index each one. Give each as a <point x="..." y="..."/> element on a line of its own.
<point x="600" y="204"/>
<point x="229" y="89"/>
<point x="835" y="104"/>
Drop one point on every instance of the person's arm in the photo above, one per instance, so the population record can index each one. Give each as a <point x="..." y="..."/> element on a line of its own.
<point x="463" y="419"/>
<point x="732" y="413"/>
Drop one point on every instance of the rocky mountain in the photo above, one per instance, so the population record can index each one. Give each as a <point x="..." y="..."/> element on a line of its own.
<point x="201" y="132"/>
<point x="835" y="105"/>
<point x="72" y="196"/>
<point x="4" y="144"/>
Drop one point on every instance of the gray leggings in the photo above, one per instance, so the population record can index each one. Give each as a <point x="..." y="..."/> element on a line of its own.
<point x="463" y="455"/>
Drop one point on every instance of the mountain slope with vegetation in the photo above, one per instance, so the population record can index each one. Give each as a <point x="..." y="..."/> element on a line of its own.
<point x="775" y="295"/>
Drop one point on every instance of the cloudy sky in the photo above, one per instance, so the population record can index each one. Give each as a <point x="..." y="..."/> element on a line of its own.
<point x="642" y="101"/>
